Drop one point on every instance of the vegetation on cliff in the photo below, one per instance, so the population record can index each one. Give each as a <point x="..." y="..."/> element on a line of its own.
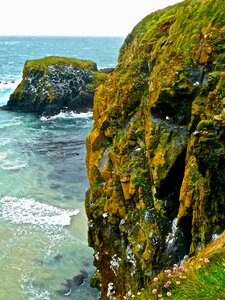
<point x="201" y="277"/>
<point x="156" y="153"/>
<point x="54" y="83"/>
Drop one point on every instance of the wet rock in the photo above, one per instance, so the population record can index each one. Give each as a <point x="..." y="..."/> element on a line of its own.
<point x="70" y="285"/>
<point x="58" y="257"/>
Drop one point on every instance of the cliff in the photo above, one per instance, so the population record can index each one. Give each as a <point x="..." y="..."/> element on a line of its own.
<point x="156" y="155"/>
<point x="54" y="83"/>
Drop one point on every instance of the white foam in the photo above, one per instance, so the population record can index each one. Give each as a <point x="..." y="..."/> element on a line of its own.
<point x="34" y="292"/>
<point x="12" y="166"/>
<point x="9" y="124"/>
<point x="16" y="119"/>
<point x="11" y="43"/>
<point x="30" y="211"/>
<point x="6" y="164"/>
<point x="6" y="142"/>
<point x="2" y="156"/>
<point x="9" y="85"/>
<point x="68" y="115"/>
<point x="171" y="235"/>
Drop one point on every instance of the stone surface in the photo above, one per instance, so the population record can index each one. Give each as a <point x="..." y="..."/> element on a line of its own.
<point x="156" y="154"/>
<point x="55" y="83"/>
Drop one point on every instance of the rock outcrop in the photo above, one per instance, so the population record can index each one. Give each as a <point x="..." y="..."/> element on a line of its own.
<point x="156" y="153"/>
<point x="55" y="83"/>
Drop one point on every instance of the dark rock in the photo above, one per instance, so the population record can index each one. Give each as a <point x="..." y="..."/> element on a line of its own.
<point x="107" y="70"/>
<point x="70" y="285"/>
<point x="54" y="83"/>
<point x="57" y="257"/>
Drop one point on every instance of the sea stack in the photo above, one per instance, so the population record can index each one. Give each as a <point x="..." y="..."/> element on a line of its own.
<point x="156" y="153"/>
<point x="55" y="83"/>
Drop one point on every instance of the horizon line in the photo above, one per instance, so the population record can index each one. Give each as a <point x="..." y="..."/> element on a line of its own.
<point x="60" y="35"/>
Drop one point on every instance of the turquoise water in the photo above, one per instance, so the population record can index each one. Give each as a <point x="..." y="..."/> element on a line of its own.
<point x="43" y="227"/>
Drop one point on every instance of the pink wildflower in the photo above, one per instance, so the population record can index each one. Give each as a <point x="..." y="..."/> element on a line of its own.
<point x="167" y="271"/>
<point x="154" y="291"/>
<point x="155" y="279"/>
<point x="206" y="261"/>
<point x="167" y="284"/>
<point x="182" y="269"/>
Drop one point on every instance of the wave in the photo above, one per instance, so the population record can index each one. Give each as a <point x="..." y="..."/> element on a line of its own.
<point x="6" y="164"/>
<point x="9" y="85"/>
<point x="68" y="115"/>
<point x="12" y="166"/>
<point x="6" y="89"/>
<point x="10" y="43"/>
<point x="36" y="292"/>
<point x="10" y="124"/>
<point x="30" y="211"/>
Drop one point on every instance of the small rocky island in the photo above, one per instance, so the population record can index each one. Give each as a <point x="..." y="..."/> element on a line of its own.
<point x="54" y="83"/>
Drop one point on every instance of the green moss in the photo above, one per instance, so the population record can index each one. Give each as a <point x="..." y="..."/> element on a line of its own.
<point x="139" y="178"/>
<point x="55" y="60"/>
<point x="171" y="34"/>
<point x="206" y="125"/>
<point x="194" y="177"/>
<point x="18" y="93"/>
<point x="126" y="167"/>
<point x="168" y="83"/>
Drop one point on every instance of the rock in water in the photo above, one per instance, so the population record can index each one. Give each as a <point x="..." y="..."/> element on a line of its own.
<point x="55" y="83"/>
<point x="70" y="285"/>
<point x="156" y="153"/>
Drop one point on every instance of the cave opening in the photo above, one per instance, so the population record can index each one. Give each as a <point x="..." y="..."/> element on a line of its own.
<point x="174" y="109"/>
<point x="185" y="224"/>
<point x="169" y="190"/>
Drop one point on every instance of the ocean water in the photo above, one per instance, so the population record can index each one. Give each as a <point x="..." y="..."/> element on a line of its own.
<point x="43" y="227"/>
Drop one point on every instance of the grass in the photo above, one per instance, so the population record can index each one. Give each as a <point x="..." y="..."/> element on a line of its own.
<point x="201" y="278"/>
<point x="207" y="282"/>
<point x="50" y="60"/>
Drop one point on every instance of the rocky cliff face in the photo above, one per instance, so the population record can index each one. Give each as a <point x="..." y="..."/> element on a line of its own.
<point x="56" y="83"/>
<point x="156" y="155"/>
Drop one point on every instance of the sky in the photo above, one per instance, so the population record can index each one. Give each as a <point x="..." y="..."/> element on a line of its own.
<point x="75" y="17"/>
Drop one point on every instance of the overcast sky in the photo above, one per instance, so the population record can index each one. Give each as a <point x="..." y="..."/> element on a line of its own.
<point x="75" y="17"/>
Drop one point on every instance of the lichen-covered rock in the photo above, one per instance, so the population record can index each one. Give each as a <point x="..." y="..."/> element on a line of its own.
<point x="54" y="83"/>
<point x="156" y="154"/>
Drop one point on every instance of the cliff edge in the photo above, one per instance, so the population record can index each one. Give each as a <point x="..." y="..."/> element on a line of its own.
<point x="156" y="153"/>
<point x="54" y="83"/>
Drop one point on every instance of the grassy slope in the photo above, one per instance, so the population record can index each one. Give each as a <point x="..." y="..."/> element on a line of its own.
<point x="53" y="60"/>
<point x="201" y="278"/>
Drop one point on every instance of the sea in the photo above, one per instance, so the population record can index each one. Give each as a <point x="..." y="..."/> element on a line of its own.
<point x="43" y="180"/>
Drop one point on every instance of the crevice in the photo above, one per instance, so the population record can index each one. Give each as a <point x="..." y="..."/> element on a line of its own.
<point x="169" y="189"/>
<point x="185" y="224"/>
<point x="175" y="109"/>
